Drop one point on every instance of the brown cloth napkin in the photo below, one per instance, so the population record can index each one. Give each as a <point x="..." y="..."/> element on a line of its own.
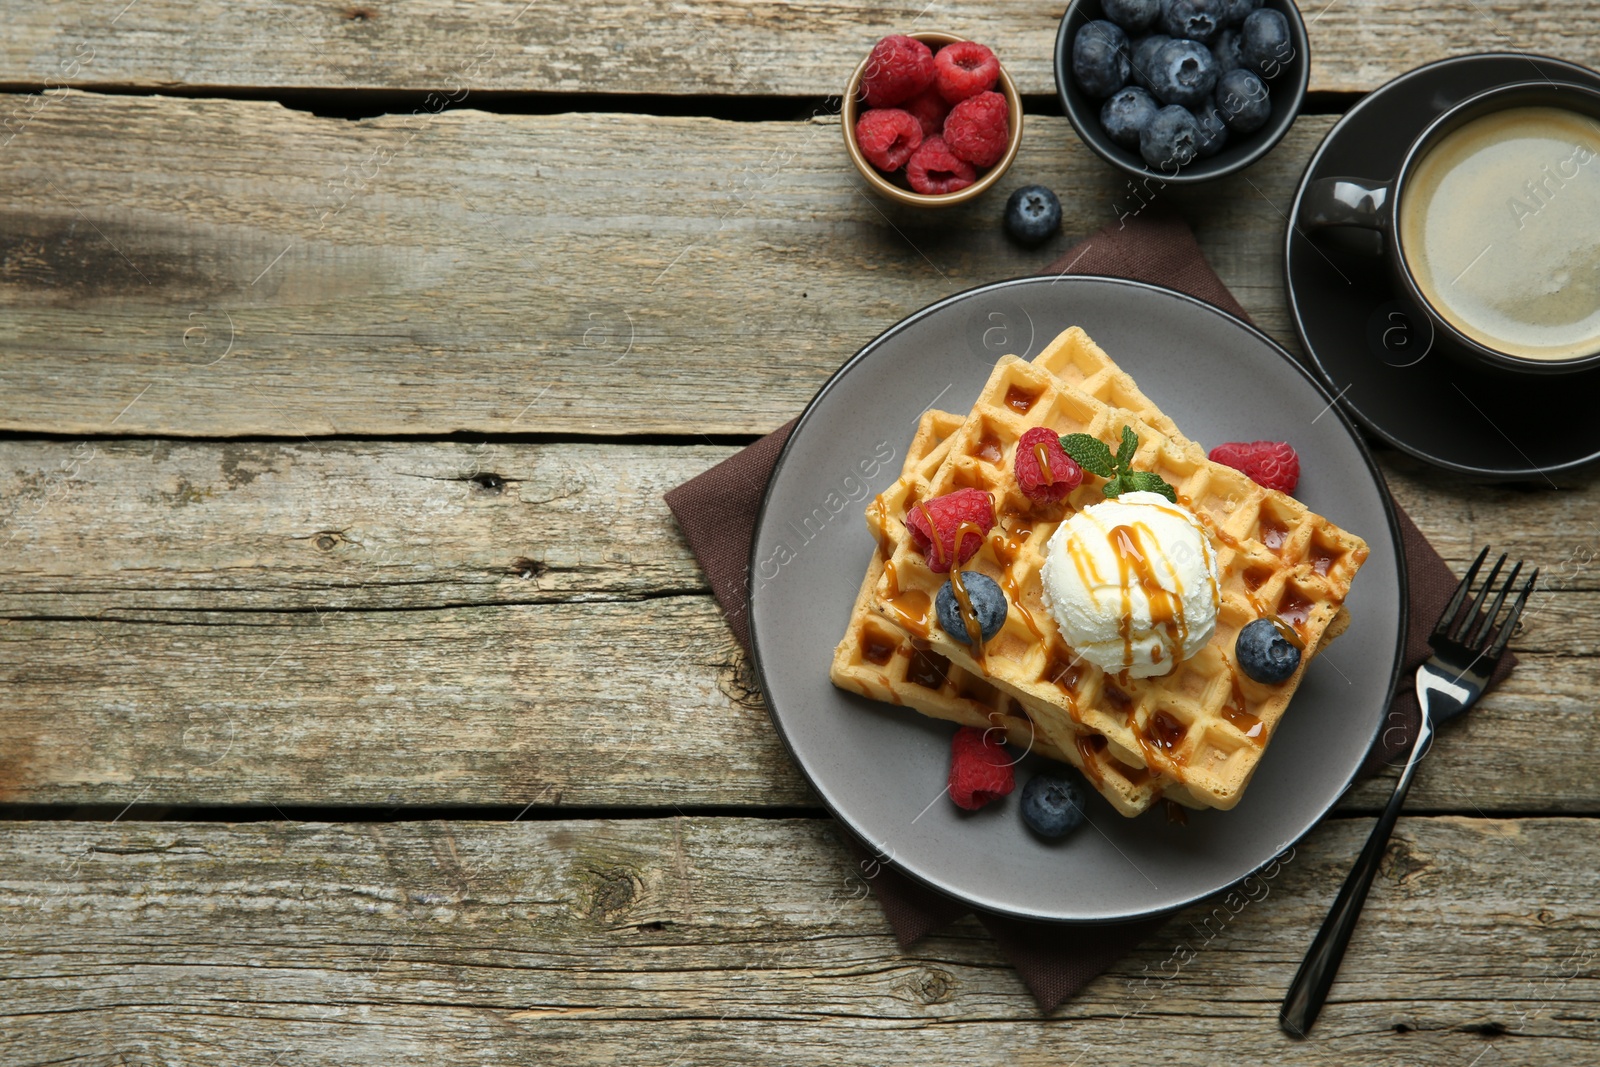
<point x="717" y="511"/>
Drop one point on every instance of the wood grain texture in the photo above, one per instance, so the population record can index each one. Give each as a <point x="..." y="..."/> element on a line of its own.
<point x="96" y="526"/>
<point x="227" y="268"/>
<point x="709" y="47"/>
<point x="363" y="623"/>
<point x="756" y="940"/>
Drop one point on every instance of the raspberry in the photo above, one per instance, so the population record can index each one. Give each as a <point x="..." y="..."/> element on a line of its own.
<point x="1065" y="474"/>
<point x="947" y="514"/>
<point x="980" y="768"/>
<point x="933" y="169"/>
<point x="928" y="108"/>
<point x="899" y="68"/>
<point x="887" y="137"/>
<point x="963" y="69"/>
<point x="1270" y="464"/>
<point x="977" y="129"/>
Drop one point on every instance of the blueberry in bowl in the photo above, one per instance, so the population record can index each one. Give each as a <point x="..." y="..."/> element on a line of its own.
<point x="1239" y="68"/>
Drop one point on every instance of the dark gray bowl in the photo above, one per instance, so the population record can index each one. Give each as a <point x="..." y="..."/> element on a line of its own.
<point x="1288" y="92"/>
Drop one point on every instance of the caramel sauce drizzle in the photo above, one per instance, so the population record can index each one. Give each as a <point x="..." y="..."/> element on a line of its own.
<point x="1166" y="608"/>
<point x="1089" y="753"/>
<point x="911" y="610"/>
<point x="876" y="648"/>
<point x="1236" y="715"/>
<point x="1042" y="454"/>
<point x="1020" y="400"/>
<point x="1273" y="533"/>
<point x="969" y="617"/>
<point x="936" y="542"/>
<point x="927" y="669"/>
<point x="880" y="515"/>
<point x="1294" y="610"/>
<point x="1245" y="723"/>
<point x="1006" y="547"/>
<point x="1159" y="738"/>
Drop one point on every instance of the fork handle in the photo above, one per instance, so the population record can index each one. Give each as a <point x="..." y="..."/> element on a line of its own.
<point x="1309" y="990"/>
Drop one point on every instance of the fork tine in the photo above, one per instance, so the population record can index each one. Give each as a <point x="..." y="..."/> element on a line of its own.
<point x="1458" y="597"/>
<point x="1503" y="638"/>
<point x="1459" y="631"/>
<point x="1481" y="634"/>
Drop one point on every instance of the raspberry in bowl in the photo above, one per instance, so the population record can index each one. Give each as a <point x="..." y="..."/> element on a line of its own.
<point x="931" y="119"/>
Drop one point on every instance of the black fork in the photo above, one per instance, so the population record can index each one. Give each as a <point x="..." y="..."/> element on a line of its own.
<point x="1450" y="682"/>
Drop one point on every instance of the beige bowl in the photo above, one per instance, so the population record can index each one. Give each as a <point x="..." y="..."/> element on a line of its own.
<point x="880" y="181"/>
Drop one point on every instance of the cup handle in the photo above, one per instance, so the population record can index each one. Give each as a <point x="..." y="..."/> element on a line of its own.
<point x="1346" y="202"/>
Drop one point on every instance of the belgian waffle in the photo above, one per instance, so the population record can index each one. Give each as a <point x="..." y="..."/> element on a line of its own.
<point x="878" y="659"/>
<point x="1200" y="729"/>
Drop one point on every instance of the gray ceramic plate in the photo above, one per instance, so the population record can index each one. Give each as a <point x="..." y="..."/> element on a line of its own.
<point x="882" y="769"/>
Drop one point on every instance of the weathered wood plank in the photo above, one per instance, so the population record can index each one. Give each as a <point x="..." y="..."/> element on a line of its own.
<point x="552" y="703"/>
<point x="109" y="525"/>
<point x="94" y="526"/>
<point x="199" y="622"/>
<point x="466" y="272"/>
<point x="558" y="943"/>
<point x="635" y="703"/>
<point x="709" y="47"/>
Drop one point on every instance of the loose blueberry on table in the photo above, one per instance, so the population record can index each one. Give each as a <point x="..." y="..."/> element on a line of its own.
<point x="1033" y="214"/>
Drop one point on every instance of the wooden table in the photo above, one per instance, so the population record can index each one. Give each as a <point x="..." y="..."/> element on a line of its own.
<point x="362" y="702"/>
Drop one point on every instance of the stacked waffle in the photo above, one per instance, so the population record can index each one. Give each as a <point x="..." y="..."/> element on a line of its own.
<point x="1194" y="735"/>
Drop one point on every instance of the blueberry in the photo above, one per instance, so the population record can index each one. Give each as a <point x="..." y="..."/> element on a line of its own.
<point x="1243" y="100"/>
<point x="1184" y="73"/>
<point x="988" y="603"/>
<point x="1264" y="42"/>
<point x="1265" y="653"/>
<point x="1135" y="16"/>
<point x="1126" y="115"/>
<point x="1100" y="58"/>
<point x="1236" y="11"/>
<point x="1052" y="804"/>
<point x="1143" y="57"/>
<point x="1032" y="214"/>
<point x="1172" y="139"/>
<point x="1198" y="20"/>
<point x="1213" y="130"/>
<point x="1225" y="50"/>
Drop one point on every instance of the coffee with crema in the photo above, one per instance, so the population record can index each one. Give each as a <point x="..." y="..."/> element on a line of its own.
<point x="1500" y="227"/>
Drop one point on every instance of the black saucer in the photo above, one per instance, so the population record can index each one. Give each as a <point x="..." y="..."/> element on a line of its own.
<point x="1405" y="386"/>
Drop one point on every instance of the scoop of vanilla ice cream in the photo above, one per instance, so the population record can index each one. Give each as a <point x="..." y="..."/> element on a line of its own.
<point x="1132" y="582"/>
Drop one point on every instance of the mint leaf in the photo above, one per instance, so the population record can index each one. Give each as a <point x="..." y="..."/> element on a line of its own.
<point x="1116" y="486"/>
<point x="1090" y="453"/>
<point x="1130" y="442"/>
<point x="1146" y="482"/>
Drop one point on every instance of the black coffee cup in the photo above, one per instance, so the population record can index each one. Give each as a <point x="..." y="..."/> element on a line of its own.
<point x="1377" y="205"/>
